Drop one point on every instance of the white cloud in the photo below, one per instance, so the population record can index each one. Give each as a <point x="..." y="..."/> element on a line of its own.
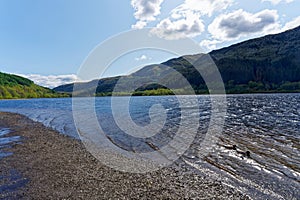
<point x="145" y="11"/>
<point x="210" y="44"/>
<point x="51" y="81"/>
<point x="240" y="23"/>
<point x="139" y="25"/>
<point x="275" y="2"/>
<point x="185" y="20"/>
<point x="292" y="24"/>
<point x="203" y="7"/>
<point x="142" y="57"/>
<point x="189" y="26"/>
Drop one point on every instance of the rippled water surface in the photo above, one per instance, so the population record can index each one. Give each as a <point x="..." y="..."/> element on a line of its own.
<point x="257" y="151"/>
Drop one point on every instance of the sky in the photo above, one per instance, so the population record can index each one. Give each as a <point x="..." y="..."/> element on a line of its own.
<point x="47" y="41"/>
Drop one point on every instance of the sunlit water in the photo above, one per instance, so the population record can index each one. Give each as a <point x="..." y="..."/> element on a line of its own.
<point x="266" y="125"/>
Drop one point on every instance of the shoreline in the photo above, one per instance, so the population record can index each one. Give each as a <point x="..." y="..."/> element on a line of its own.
<point x="208" y="94"/>
<point x="56" y="166"/>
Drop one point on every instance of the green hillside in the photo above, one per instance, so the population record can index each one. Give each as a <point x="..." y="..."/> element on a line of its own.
<point x="13" y="86"/>
<point x="263" y="65"/>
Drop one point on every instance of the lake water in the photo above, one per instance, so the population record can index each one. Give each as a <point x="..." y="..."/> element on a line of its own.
<point x="266" y="125"/>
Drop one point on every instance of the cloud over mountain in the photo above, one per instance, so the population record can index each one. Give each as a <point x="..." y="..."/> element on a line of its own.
<point x="292" y="24"/>
<point x="51" y="81"/>
<point x="186" y="19"/>
<point x="214" y="23"/>
<point x="240" y="23"/>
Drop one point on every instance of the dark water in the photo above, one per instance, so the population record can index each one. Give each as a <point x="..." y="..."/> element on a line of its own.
<point x="6" y="141"/>
<point x="10" y="181"/>
<point x="266" y="125"/>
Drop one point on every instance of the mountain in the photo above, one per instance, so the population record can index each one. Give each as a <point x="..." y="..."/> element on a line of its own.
<point x="13" y="86"/>
<point x="273" y="59"/>
<point x="267" y="64"/>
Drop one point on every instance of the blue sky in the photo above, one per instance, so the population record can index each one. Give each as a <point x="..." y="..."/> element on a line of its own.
<point x="47" y="41"/>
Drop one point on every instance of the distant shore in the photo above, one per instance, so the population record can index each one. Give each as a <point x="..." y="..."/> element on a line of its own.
<point x="58" y="167"/>
<point x="167" y="93"/>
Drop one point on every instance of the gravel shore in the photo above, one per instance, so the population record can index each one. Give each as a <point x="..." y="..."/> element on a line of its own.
<point x="50" y="165"/>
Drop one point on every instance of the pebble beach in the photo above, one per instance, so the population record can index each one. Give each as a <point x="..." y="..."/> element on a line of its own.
<point x="47" y="165"/>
